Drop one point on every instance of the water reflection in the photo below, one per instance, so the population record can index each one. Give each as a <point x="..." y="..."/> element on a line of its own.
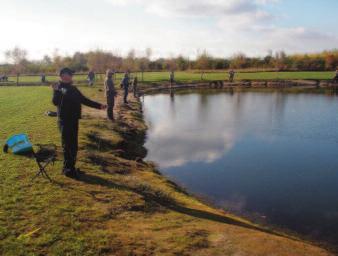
<point x="173" y="146"/>
<point x="271" y="155"/>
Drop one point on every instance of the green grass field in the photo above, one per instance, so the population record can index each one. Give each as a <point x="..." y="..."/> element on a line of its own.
<point x="121" y="206"/>
<point x="185" y="77"/>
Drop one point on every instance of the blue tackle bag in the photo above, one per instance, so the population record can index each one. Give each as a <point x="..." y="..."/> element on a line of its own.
<point x="19" y="144"/>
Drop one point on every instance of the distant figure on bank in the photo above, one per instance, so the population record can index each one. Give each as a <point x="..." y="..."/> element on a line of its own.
<point x="135" y="81"/>
<point x="110" y="94"/>
<point x="91" y="77"/>
<point x="231" y="75"/>
<point x="335" y="79"/>
<point x="4" y="78"/>
<point x="68" y="100"/>
<point x="125" y="85"/>
<point x="172" y="78"/>
<point x="43" y="78"/>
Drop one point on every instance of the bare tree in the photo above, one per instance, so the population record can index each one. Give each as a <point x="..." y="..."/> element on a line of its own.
<point x="18" y="57"/>
<point x="143" y="63"/>
<point x="57" y="60"/>
<point x="149" y="53"/>
<point x="203" y="62"/>
<point x="100" y="61"/>
<point x="129" y="62"/>
<point x="46" y="60"/>
<point x="240" y="61"/>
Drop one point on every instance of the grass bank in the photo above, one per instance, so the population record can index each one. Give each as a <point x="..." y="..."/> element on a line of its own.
<point x="195" y="76"/>
<point x="122" y="206"/>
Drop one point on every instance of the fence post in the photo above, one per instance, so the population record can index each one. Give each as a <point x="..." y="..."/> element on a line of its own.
<point x="17" y="79"/>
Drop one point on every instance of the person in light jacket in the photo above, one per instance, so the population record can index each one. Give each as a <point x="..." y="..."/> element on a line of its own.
<point x="110" y="93"/>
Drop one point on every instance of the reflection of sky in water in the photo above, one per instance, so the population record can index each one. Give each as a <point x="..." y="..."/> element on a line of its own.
<point x="173" y="129"/>
<point x="270" y="154"/>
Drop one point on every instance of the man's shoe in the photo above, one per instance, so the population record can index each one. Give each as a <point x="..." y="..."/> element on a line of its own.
<point x="79" y="172"/>
<point x="65" y="170"/>
<point x="70" y="173"/>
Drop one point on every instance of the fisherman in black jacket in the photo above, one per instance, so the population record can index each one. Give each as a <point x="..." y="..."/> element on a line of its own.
<point x="68" y="100"/>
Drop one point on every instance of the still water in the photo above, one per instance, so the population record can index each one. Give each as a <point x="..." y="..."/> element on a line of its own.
<point x="270" y="156"/>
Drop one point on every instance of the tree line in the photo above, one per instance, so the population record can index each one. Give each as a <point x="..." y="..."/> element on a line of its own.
<point x="99" y="61"/>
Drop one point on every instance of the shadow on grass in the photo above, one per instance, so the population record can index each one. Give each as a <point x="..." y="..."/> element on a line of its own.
<point x="168" y="202"/>
<point x="98" y="143"/>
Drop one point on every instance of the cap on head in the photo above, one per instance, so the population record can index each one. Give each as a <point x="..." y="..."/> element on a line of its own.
<point x="66" y="71"/>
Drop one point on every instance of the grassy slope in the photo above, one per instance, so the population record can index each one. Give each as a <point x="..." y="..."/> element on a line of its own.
<point x="121" y="207"/>
<point x="196" y="76"/>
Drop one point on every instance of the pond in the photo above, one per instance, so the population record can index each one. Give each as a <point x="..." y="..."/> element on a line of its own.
<point x="272" y="156"/>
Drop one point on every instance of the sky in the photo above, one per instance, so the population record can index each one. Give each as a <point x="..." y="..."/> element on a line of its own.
<point x="169" y="27"/>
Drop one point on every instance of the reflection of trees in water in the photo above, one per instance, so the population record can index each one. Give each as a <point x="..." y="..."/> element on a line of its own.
<point x="172" y="107"/>
<point x="246" y="105"/>
<point x="203" y="106"/>
<point x="172" y="95"/>
<point x="278" y="108"/>
<point x="238" y="103"/>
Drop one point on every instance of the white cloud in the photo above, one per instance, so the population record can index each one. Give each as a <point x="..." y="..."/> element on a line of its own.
<point x="195" y="7"/>
<point x="239" y="25"/>
<point x="172" y="139"/>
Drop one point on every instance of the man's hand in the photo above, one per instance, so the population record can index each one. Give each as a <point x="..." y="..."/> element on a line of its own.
<point x="56" y="87"/>
<point x="103" y="107"/>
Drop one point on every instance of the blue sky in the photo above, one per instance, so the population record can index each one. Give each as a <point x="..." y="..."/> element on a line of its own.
<point x="169" y="27"/>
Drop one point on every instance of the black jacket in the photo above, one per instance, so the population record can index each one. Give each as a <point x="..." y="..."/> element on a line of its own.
<point x="68" y="100"/>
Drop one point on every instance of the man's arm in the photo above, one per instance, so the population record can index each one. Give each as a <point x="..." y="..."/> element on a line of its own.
<point x="89" y="103"/>
<point x="57" y="95"/>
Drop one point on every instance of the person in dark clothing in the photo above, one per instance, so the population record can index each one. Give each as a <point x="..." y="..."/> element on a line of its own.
<point x="231" y="75"/>
<point x="172" y="78"/>
<point x="68" y="100"/>
<point x="335" y="79"/>
<point x="43" y="78"/>
<point x="125" y="85"/>
<point x="91" y="78"/>
<point x="135" y="81"/>
<point x="110" y="94"/>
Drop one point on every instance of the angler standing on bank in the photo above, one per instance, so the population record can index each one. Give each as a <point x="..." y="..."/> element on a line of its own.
<point x="125" y="85"/>
<point x="68" y="100"/>
<point x="110" y="94"/>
